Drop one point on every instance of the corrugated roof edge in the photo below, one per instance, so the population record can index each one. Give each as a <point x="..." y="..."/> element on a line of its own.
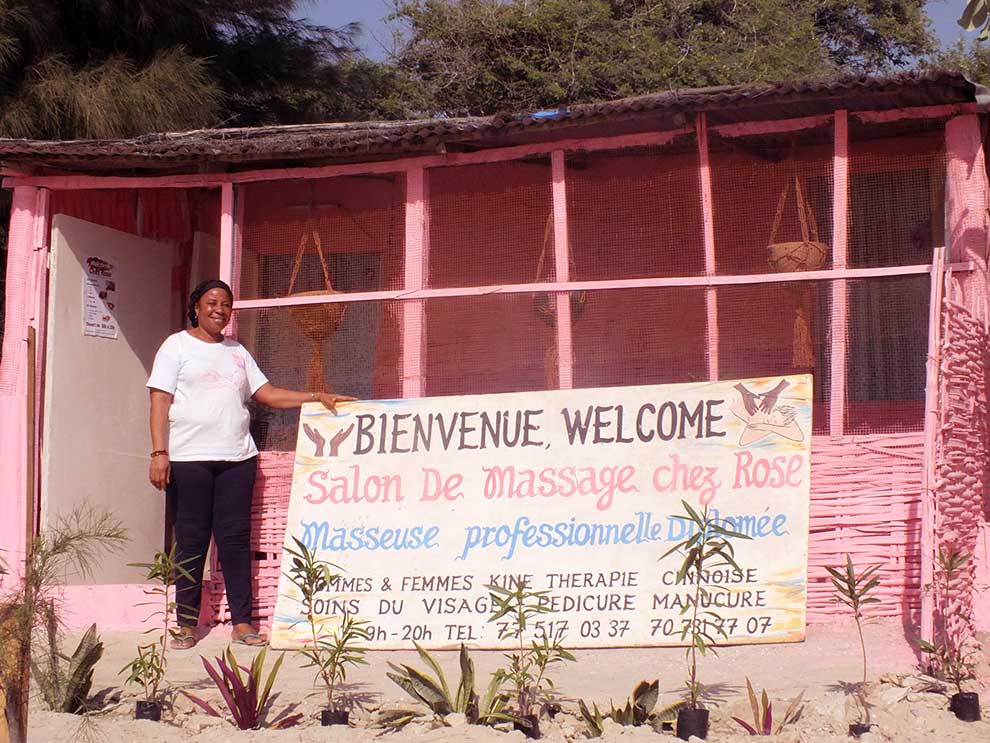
<point x="389" y="139"/>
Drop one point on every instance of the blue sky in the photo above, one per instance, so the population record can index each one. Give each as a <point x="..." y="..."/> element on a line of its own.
<point x="376" y="36"/>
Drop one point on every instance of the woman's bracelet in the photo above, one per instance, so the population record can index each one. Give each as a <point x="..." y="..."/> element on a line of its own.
<point x="158" y="453"/>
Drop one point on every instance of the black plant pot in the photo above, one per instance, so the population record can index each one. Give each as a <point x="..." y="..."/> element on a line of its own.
<point x="692" y="722"/>
<point x="857" y="729"/>
<point x="965" y="705"/>
<point x="334" y="717"/>
<point x="529" y="726"/>
<point x="148" y="711"/>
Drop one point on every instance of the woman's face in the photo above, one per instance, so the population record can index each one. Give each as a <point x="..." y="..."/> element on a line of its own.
<point x="213" y="310"/>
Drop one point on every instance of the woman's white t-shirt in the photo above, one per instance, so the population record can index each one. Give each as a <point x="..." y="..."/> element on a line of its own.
<point x="211" y="384"/>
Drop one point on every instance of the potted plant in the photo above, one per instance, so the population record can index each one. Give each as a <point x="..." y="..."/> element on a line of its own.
<point x="707" y="548"/>
<point x="763" y="713"/>
<point x="329" y="652"/>
<point x="526" y="673"/>
<point x="853" y="590"/>
<point x="952" y="655"/>
<point x="638" y="710"/>
<point x="148" y="667"/>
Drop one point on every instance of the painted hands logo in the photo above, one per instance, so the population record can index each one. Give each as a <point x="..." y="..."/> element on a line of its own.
<point x="764" y="416"/>
<point x="321" y="446"/>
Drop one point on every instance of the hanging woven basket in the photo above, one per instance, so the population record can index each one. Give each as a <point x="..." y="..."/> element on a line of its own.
<point x="317" y="321"/>
<point x="545" y="303"/>
<point x="806" y="254"/>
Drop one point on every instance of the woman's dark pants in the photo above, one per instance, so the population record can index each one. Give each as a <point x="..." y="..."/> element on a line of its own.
<point x="213" y="498"/>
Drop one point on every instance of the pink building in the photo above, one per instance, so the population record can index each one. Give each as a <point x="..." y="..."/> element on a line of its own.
<point x="617" y="243"/>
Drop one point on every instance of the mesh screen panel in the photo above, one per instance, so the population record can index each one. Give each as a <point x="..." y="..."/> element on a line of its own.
<point x="886" y="351"/>
<point x="640" y="336"/>
<point x="749" y="178"/>
<point x="497" y="343"/>
<point x="360" y="223"/>
<point x="762" y="333"/>
<point x="896" y="199"/>
<point x="361" y="358"/>
<point x="489" y="224"/>
<point x="634" y="214"/>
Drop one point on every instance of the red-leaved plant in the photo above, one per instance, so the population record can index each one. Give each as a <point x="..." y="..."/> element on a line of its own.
<point x="245" y="695"/>
<point x="763" y="714"/>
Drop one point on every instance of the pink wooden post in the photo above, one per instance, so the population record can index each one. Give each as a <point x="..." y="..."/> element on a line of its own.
<point x="711" y="268"/>
<point x="25" y="283"/>
<point x="227" y="233"/>
<point x="416" y="262"/>
<point x="928" y="458"/>
<point x="562" y="250"/>
<point x="966" y="206"/>
<point x="840" y="288"/>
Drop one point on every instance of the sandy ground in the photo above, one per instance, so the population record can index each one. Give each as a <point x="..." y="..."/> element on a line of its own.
<point x="819" y="666"/>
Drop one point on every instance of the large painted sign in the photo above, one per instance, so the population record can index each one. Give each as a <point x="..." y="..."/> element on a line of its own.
<point x="424" y="502"/>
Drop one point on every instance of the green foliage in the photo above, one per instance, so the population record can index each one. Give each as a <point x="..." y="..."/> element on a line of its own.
<point x="109" y="68"/>
<point x="434" y="692"/>
<point x="976" y="16"/>
<point x="64" y="681"/>
<point x="637" y="711"/>
<point x="485" y="56"/>
<point x="951" y="655"/>
<point x="526" y="673"/>
<point x="853" y="590"/>
<point x="330" y="653"/>
<point x="73" y="546"/>
<point x="246" y="695"/>
<point x="763" y="713"/>
<point x="707" y="548"/>
<point x="149" y="666"/>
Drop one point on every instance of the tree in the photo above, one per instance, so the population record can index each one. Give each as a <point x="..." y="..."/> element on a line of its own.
<point x="109" y="68"/>
<point x="483" y="56"/>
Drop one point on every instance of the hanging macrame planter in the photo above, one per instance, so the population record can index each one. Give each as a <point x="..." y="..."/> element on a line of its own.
<point x="317" y="321"/>
<point x="807" y="254"/>
<point x="545" y="304"/>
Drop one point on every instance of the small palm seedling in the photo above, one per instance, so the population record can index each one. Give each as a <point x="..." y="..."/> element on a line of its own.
<point x="246" y="696"/>
<point x="853" y="590"/>
<point x="331" y="653"/>
<point x="708" y="548"/>
<point x="527" y="671"/>
<point x="638" y="710"/>
<point x="434" y="692"/>
<point x="763" y="713"/>
<point x="952" y="656"/>
<point x="149" y="666"/>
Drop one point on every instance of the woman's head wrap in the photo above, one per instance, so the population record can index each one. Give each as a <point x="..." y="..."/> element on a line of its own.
<point x="200" y="290"/>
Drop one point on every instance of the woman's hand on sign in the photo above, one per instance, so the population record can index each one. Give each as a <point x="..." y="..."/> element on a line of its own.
<point x="160" y="471"/>
<point x="330" y="399"/>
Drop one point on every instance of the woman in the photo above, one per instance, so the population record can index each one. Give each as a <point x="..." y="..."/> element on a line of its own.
<point x="202" y="451"/>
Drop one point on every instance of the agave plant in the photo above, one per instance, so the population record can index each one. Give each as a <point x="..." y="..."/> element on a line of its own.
<point x="763" y="713"/>
<point x="65" y="682"/>
<point x="247" y="695"/>
<point x="638" y="710"/>
<point x="434" y="692"/>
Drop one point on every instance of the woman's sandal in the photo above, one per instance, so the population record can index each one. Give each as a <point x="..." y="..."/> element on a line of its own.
<point x="251" y="639"/>
<point x="183" y="641"/>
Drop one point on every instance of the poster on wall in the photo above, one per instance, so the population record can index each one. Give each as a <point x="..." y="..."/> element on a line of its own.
<point x="99" y="297"/>
<point x="423" y="503"/>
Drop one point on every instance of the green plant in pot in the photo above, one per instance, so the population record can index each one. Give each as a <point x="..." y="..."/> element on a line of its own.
<point x="526" y="675"/>
<point x="331" y="653"/>
<point x="853" y="589"/>
<point x="148" y="667"/>
<point x="952" y="654"/>
<point x="708" y="547"/>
